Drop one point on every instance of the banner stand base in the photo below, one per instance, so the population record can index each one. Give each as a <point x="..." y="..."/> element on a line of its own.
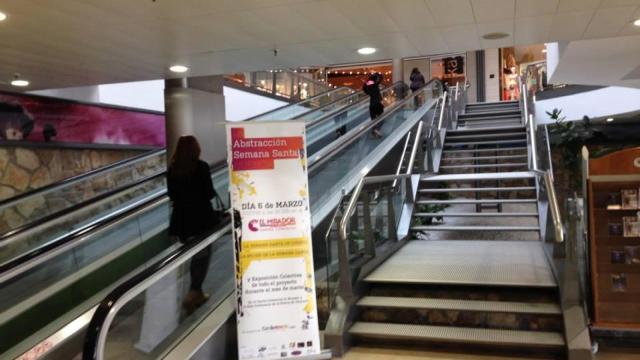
<point x="325" y="354"/>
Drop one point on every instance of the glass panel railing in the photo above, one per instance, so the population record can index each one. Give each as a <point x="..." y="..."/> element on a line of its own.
<point x="353" y="158"/>
<point x="152" y="322"/>
<point x="136" y="329"/>
<point x="25" y="210"/>
<point x="306" y="106"/>
<point x="282" y="83"/>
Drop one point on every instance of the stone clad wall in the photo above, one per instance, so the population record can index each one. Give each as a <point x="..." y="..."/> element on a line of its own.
<point x="23" y="169"/>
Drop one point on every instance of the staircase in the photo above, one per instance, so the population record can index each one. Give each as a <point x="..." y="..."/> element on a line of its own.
<point x="475" y="275"/>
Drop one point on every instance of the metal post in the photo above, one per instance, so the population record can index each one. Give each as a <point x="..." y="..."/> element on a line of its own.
<point x="391" y="216"/>
<point x="369" y="242"/>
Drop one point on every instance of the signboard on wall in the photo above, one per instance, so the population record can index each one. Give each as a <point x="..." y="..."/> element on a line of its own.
<point x="275" y="289"/>
<point x="43" y="119"/>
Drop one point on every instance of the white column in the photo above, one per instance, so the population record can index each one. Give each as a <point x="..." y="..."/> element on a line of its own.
<point x="201" y="113"/>
<point x="397" y="70"/>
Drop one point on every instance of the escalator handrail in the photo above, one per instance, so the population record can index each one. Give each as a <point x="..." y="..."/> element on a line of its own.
<point x="298" y="103"/>
<point x="80" y="177"/>
<point x="332" y="114"/>
<point x="120" y="296"/>
<point x="33" y="257"/>
<point x="327" y="153"/>
<point x="97" y="331"/>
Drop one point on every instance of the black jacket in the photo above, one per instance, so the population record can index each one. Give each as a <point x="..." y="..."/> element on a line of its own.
<point x="417" y="81"/>
<point x="191" y="196"/>
<point x="372" y="88"/>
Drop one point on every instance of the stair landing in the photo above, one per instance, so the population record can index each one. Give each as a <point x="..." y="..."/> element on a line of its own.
<point x="473" y="262"/>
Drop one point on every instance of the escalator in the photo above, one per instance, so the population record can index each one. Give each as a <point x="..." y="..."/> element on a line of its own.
<point x="143" y="319"/>
<point x="50" y="284"/>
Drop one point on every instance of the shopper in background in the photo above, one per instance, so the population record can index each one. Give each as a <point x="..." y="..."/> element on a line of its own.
<point x="191" y="191"/>
<point x="417" y="82"/>
<point x="372" y="88"/>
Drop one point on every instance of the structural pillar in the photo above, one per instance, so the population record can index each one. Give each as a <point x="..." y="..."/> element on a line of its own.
<point x="195" y="106"/>
<point x="397" y="70"/>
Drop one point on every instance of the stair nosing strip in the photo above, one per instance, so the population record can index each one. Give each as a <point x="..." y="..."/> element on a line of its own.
<point x="458" y="304"/>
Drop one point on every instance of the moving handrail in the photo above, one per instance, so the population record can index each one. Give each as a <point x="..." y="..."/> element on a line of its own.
<point x="39" y="254"/>
<point x="329" y="93"/>
<point x="105" y="313"/>
<point x="97" y="331"/>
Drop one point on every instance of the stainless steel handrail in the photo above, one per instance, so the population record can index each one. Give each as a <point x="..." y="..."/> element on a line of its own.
<point x="144" y="285"/>
<point x="332" y="114"/>
<point x="325" y="154"/>
<point x="553" y="204"/>
<point x="299" y="103"/>
<point x="414" y="150"/>
<point x="549" y="158"/>
<point x="442" y="109"/>
<point x="404" y="152"/>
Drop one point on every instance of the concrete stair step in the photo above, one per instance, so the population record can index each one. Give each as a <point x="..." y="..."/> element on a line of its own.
<point x="459" y="335"/>
<point x="460" y="305"/>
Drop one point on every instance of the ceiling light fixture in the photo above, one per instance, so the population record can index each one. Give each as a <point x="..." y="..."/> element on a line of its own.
<point x="3" y="16"/>
<point x="636" y="22"/>
<point x="609" y="119"/>
<point x="544" y="51"/>
<point x="179" y="68"/>
<point x="366" y="51"/>
<point x="19" y="82"/>
<point x="495" y="36"/>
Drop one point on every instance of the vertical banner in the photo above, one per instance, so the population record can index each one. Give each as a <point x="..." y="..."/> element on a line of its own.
<point x="275" y="289"/>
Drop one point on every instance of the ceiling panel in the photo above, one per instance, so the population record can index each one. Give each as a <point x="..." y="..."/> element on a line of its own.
<point x="616" y="3"/>
<point x="408" y="14"/>
<point x="609" y="21"/>
<point x="462" y="37"/>
<point x="570" y="25"/>
<point x="528" y="8"/>
<point x="84" y="42"/>
<point x="577" y="5"/>
<point x="493" y="10"/>
<point x="428" y="41"/>
<point x="451" y="12"/>
<point x="533" y="30"/>
<point x="506" y="27"/>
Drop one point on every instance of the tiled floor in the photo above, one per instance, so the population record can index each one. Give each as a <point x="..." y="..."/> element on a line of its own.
<point x="361" y="353"/>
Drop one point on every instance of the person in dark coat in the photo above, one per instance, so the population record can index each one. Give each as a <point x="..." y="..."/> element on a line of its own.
<point x="191" y="191"/>
<point x="372" y="88"/>
<point x="417" y="82"/>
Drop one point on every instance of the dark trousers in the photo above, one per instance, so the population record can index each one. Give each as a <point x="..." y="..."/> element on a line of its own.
<point x="199" y="267"/>
<point x="375" y="110"/>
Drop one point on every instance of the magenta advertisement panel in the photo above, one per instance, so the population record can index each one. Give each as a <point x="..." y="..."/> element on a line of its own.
<point x="40" y="119"/>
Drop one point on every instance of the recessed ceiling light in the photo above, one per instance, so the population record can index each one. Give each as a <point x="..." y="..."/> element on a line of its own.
<point x="179" y="68"/>
<point x="544" y="51"/>
<point x="609" y="119"/>
<point x="3" y="16"/>
<point x="636" y="22"/>
<point x="366" y="51"/>
<point x="495" y="36"/>
<point x="20" y="83"/>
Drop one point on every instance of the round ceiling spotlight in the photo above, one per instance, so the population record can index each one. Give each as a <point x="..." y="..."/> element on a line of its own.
<point x="544" y="51"/>
<point x="3" y="16"/>
<point x="495" y="36"/>
<point x="179" y="68"/>
<point x="636" y="22"/>
<point x="366" y="51"/>
<point x="19" y="82"/>
<point x="609" y="119"/>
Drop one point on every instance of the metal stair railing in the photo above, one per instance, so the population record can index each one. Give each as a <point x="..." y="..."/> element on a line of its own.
<point x="565" y="259"/>
<point x="376" y="222"/>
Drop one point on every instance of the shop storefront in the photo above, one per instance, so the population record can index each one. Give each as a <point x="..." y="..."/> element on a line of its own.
<point x="355" y="76"/>
<point x="513" y="62"/>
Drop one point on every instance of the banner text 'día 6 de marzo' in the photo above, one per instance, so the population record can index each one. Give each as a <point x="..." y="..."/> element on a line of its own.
<point x="275" y="290"/>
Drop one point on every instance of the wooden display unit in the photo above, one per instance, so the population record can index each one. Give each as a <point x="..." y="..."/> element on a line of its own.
<point x="614" y="238"/>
